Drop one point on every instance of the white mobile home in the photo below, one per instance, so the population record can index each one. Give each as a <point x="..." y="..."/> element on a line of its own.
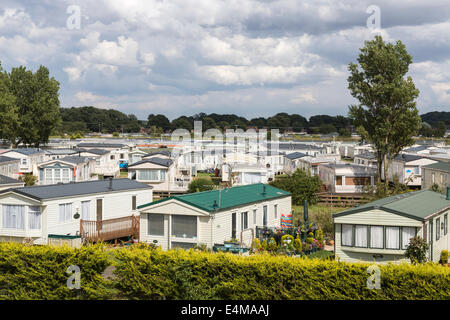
<point x="381" y="230"/>
<point x="212" y="217"/>
<point x="346" y="177"/>
<point x="40" y="212"/>
<point x="161" y="173"/>
<point x="29" y="159"/>
<point x="408" y="169"/>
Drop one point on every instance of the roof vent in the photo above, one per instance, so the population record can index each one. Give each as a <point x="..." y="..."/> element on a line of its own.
<point x="110" y="183"/>
<point x="264" y="190"/>
<point x="215" y="204"/>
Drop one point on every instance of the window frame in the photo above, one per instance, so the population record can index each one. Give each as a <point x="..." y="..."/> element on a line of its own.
<point x="149" y="224"/>
<point x="438" y="228"/>
<point x="399" y="237"/>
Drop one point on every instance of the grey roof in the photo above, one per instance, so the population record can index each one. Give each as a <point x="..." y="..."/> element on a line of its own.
<point x="75" y="159"/>
<point x="7" y="159"/>
<point x="407" y="157"/>
<point x="416" y="149"/>
<point x="295" y="155"/>
<point x="296" y="146"/>
<point x="77" y="188"/>
<point x="163" y="152"/>
<point x="60" y="151"/>
<point x="419" y="205"/>
<point x="100" y="145"/>
<point x="154" y="160"/>
<point x="99" y="152"/>
<point x="442" y="166"/>
<point x="366" y="155"/>
<point x="4" y="180"/>
<point x="26" y="151"/>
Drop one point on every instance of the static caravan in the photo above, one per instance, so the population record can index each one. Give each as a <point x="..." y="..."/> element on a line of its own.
<point x="380" y="231"/>
<point x="212" y="217"/>
<point x="42" y="212"/>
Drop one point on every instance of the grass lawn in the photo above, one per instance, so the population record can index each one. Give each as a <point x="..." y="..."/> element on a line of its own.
<point x="322" y="254"/>
<point x="319" y="213"/>
<point x="123" y="174"/>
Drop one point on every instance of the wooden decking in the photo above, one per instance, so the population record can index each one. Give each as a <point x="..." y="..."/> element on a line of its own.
<point x="94" y="231"/>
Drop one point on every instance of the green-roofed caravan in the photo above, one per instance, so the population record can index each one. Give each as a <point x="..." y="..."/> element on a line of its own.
<point x="216" y="200"/>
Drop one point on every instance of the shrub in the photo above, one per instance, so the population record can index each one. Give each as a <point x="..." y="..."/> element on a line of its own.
<point x="157" y="274"/>
<point x="416" y="251"/>
<point x="146" y="272"/>
<point x="444" y="257"/>
<point x="298" y="245"/>
<point x="201" y="184"/>
<point x="272" y="246"/>
<point x="39" y="272"/>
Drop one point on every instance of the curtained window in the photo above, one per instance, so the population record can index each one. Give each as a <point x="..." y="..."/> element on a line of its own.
<point x="184" y="226"/>
<point x="13" y="217"/>
<point x="34" y="217"/>
<point x="407" y="234"/>
<point x="148" y="175"/>
<point x="392" y="238"/>
<point x="85" y="210"/>
<point x="347" y="235"/>
<point x="360" y="236"/>
<point x="376" y="237"/>
<point x="65" y="212"/>
<point x="155" y="224"/>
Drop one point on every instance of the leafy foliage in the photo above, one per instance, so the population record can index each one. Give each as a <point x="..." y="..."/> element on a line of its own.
<point x="145" y="272"/>
<point x="416" y="251"/>
<point x="29" y="106"/>
<point x="301" y="184"/>
<point x="387" y="108"/>
<point x="201" y="184"/>
<point x="177" y="274"/>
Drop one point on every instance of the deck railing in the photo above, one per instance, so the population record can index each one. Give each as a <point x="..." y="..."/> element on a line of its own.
<point x="94" y="231"/>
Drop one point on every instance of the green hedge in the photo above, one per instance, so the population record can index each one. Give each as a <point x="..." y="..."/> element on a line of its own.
<point x="155" y="274"/>
<point x="38" y="272"/>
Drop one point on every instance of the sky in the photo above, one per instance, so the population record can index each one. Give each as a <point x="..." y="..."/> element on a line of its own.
<point x="245" y="57"/>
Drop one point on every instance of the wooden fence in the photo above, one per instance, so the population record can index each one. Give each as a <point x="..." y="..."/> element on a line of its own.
<point x="93" y="231"/>
<point x="341" y="200"/>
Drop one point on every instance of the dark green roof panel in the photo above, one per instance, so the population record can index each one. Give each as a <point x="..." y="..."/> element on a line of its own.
<point x="229" y="197"/>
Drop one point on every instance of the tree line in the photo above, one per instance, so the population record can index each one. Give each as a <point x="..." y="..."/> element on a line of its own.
<point x="285" y="122"/>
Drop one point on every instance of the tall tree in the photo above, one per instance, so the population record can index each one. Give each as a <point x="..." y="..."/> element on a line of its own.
<point x="8" y="110"/>
<point x="37" y="100"/>
<point x="387" y="108"/>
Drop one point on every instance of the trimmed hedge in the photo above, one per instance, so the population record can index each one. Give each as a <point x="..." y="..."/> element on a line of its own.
<point x="39" y="272"/>
<point x="177" y="274"/>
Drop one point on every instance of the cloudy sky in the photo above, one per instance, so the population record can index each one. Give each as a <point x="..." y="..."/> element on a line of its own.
<point x="252" y="58"/>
